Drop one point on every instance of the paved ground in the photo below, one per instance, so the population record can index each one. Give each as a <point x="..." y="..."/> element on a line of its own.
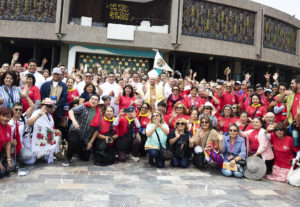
<point x="138" y="184"/>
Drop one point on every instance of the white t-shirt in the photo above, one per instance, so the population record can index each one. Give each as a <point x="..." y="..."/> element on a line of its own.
<point x="39" y="78"/>
<point x="22" y="126"/>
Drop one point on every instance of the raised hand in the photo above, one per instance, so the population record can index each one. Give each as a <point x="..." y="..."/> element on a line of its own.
<point x="25" y="92"/>
<point x="15" y="56"/>
<point x="267" y="76"/>
<point x="247" y="76"/>
<point x="44" y="61"/>
<point x="275" y="76"/>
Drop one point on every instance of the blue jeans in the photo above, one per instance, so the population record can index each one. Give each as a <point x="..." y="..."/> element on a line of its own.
<point x="229" y="173"/>
<point x="178" y="162"/>
<point x="154" y="154"/>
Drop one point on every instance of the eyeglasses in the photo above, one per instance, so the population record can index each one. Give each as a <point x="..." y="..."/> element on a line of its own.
<point x="276" y="130"/>
<point x="204" y="122"/>
<point x="206" y="108"/>
<point x="175" y="89"/>
<point x="180" y="123"/>
<point x="20" y="110"/>
<point x="144" y="107"/>
<point x="259" y="89"/>
<point x="232" y="130"/>
<point x="155" y="115"/>
<point x="88" y="76"/>
<point x="49" y="106"/>
<point x="179" y="107"/>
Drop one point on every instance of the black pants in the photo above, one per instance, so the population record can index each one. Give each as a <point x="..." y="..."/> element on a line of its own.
<point x="60" y="123"/>
<point x="269" y="164"/>
<point x="76" y="146"/>
<point x="142" y="147"/>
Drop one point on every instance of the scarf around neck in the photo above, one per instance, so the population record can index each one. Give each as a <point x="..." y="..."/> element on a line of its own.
<point x="97" y="118"/>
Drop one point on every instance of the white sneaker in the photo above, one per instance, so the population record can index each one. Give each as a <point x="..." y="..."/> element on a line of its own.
<point x="136" y="159"/>
<point x="67" y="163"/>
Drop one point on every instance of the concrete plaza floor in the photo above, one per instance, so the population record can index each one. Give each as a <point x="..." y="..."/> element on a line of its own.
<point x="138" y="184"/>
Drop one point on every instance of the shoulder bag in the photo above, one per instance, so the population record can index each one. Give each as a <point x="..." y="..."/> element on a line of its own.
<point x="164" y="154"/>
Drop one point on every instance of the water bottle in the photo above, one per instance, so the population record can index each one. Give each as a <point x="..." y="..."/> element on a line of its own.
<point x="295" y="135"/>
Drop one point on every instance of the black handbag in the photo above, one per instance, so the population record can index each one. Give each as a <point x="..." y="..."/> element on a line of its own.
<point x="199" y="158"/>
<point x="180" y="148"/>
<point x="164" y="154"/>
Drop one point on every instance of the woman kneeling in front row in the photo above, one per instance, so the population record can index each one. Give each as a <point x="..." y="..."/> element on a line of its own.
<point x="156" y="132"/>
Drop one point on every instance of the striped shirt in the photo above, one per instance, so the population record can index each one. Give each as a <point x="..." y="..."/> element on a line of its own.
<point x="10" y="96"/>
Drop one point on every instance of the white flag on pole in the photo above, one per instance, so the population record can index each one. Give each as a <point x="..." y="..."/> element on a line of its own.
<point x="159" y="63"/>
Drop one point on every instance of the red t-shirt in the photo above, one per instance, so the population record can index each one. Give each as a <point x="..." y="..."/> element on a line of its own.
<point x="122" y="127"/>
<point x="296" y="102"/>
<point x="5" y="135"/>
<point x="227" y="123"/>
<point x="259" y="113"/>
<point x="105" y="125"/>
<point x="175" y="99"/>
<point x="172" y="125"/>
<point x="34" y="95"/>
<point x="249" y="126"/>
<point x="228" y="99"/>
<point x="253" y="141"/>
<point x="264" y="101"/>
<point x="72" y="95"/>
<point x="283" y="150"/>
<point x="125" y="101"/>
<point x="190" y="101"/>
<point x="246" y="103"/>
<point x="144" y="121"/>
<point x="185" y="93"/>
<point x="218" y="107"/>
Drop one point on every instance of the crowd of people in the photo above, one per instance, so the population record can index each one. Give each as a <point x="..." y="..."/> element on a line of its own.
<point x="117" y="116"/>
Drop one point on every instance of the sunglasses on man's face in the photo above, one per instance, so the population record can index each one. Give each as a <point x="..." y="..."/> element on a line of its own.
<point x="20" y="110"/>
<point x="232" y="130"/>
<point x="276" y="130"/>
<point x="180" y="123"/>
<point x="204" y="122"/>
<point x="88" y="76"/>
<point x="206" y="108"/>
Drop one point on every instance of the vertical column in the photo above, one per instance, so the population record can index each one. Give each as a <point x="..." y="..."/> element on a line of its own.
<point x="174" y="21"/>
<point x="298" y="46"/>
<point x="258" y="32"/>
<point x="58" y="16"/>
<point x="65" y="16"/>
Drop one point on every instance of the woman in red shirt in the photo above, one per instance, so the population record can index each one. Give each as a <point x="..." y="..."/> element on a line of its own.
<point x="259" y="145"/>
<point x="72" y="92"/>
<point x="244" y="122"/>
<point x="144" y="119"/>
<point x="127" y="141"/>
<point x="226" y="119"/>
<point x="256" y="109"/>
<point x="103" y="143"/>
<point x="126" y="99"/>
<point x="34" y="92"/>
<point x="180" y="111"/>
<point x="193" y="99"/>
<point x="236" y="111"/>
<point x="284" y="152"/>
<point x="173" y="99"/>
<point x="5" y="142"/>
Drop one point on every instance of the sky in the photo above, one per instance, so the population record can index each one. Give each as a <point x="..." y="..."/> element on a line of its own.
<point x="291" y="7"/>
